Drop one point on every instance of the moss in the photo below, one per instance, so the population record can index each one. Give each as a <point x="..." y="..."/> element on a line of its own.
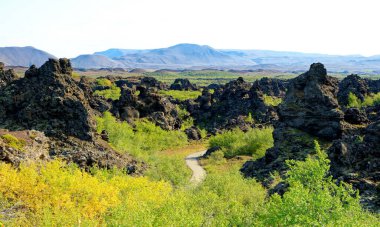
<point x="13" y="142"/>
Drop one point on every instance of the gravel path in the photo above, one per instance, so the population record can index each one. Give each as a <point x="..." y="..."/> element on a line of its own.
<point x="199" y="174"/>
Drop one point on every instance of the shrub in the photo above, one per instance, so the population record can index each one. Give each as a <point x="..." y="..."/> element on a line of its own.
<point x="145" y="141"/>
<point x="254" y="142"/>
<point x="369" y="100"/>
<point x="353" y="100"/>
<point x="314" y="199"/>
<point x="271" y="100"/>
<point x="113" y="93"/>
<point x="104" y="82"/>
<point x="184" y="115"/>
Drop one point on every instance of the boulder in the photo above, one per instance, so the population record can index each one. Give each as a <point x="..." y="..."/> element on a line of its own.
<point x="182" y="85"/>
<point x="6" y="76"/>
<point x="311" y="104"/>
<point x="193" y="133"/>
<point x="352" y="84"/>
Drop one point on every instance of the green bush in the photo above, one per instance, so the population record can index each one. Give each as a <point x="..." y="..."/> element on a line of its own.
<point x="369" y="100"/>
<point x="271" y="100"/>
<point x="184" y="115"/>
<point x="113" y="93"/>
<point x="145" y="141"/>
<point x="314" y="199"/>
<point x="254" y="142"/>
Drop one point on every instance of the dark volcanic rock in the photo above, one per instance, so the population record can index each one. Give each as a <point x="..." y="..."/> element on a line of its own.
<point x="309" y="110"/>
<point x="182" y="85"/>
<point x="355" y="116"/>
<point x="49" y="100"/>
<point x="271" y="87"/>
<point x="193" y="133"/>
<point x="148" y="82"/>
<point x="7" y="76"/>
<point x="355" y="158"/>
<point x="354" y="84"/>
<point x="229" y="105"/>
<point x="146" y="103"/>
<point x="311" y="104"/>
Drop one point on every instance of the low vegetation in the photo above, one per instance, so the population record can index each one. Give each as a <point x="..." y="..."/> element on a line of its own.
<point x="181" y="95"/>
<point x="254" y="142"/>
<point x="57" y="194"/>
<point x="113" y="92"/>
<point x="271" y="100"/>
<point x="145" y="141"/>
<point x="314" y="199"/>
<point x="369" y="100"/>
<point x="13" y="142"/>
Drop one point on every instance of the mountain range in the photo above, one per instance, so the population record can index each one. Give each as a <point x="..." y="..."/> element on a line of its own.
<point x="193" y="56"/>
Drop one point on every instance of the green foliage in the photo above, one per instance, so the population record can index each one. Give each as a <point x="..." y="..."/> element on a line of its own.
<point x="254" y="142"/>
<point x="142" y="140"/>
<point x="369" y="100"/>
<point x="75" y="75"/>
<point x="113" y="93"/>
<point x="353" y="100"/>
<point x="249" y="118"/>
<point x="145" y="141"/>
<point x="217" y="158"/>
<point x="184" y="115"/>
<point x="13" y="142"/>
<point x="181" y="95"/>
<point x="313" y="198"/>
<point x="271" y="100"/>
<point x="222" y="200"/>
<point x="104" y="82"/>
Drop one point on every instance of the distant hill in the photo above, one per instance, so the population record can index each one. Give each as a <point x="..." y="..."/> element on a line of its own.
<point x="90" y="61"/>
<point x="195" y="57"/>
<point x="184" y="55"/>
<point x="23" y="56"/>
<point x="117" y="53"/>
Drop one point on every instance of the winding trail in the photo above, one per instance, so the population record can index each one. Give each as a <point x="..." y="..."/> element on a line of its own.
<point x="199" y="174"/>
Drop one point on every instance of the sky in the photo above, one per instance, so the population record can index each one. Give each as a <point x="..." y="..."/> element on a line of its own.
<point x="67" y="28"/>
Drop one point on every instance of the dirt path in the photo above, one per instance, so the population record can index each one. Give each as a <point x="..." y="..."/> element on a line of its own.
<point x="199" y="174"/>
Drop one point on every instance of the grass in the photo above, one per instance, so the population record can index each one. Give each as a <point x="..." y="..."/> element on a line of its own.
<point x="181" y="95"/>
<point x="235" y="142"/>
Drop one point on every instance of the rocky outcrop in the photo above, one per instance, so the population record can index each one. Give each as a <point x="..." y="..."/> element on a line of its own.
<point x="182" y="85"/>
<point x="143" y="101"/>
<point x="355" y="158"/>
<point x="6" y="76"/>
<point x="311" y="104"/>
<point x="49" y="100"/>
<point x="148" y="82"/>
<point x="230" y="105"/>
<point x="62" y="111"/>
<point x="352" y="84"/>
<point x="193" y="133"/>
<point x="271" y="87"/>
<point x="35" y="146"/>
<point x="310" y="110"/>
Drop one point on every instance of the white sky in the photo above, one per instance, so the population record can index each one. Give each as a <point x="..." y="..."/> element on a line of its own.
<point x="67" y="28"/>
